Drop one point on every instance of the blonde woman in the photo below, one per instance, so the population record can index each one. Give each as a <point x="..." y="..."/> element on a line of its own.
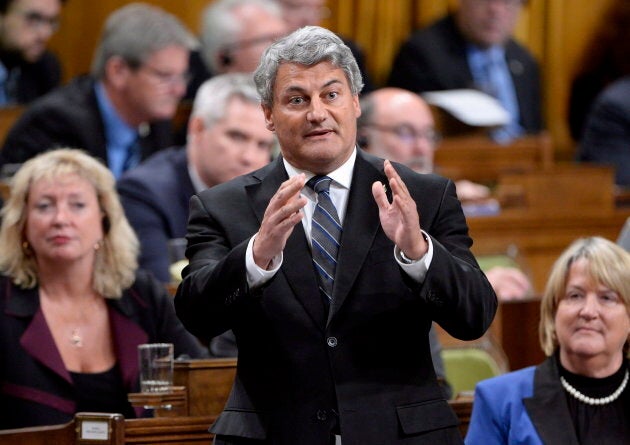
<point x="73" y="306"/>
<point x="580" y="394"/>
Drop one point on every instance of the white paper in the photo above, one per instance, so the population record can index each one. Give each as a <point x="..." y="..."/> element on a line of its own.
<point x="472" y="107"/>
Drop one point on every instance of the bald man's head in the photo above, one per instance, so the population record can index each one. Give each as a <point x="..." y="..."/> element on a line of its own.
<point x="398" y="125"/>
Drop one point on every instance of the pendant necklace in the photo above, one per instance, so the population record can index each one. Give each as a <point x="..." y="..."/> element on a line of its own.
<point x="76" y="339"/>
<point x="591" y="400"/>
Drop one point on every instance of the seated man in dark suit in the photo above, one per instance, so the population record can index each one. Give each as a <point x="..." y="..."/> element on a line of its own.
<point x="122" y="112"/>
<point x="227" y="137"/>
<point x="606" y="137"/>
<point x="473" y="48"/>
<point x="27" y="69"/>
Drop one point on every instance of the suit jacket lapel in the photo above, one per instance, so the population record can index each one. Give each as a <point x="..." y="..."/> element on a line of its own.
<point x="37" y="339"/>
<point x="359" y="229"/>
<point x="297" y="264"/>
<point x="549" y="398"/>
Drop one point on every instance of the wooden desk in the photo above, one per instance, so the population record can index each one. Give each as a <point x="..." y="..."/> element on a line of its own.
<point x="478" y="159"/>
<point x="208" y="382"/>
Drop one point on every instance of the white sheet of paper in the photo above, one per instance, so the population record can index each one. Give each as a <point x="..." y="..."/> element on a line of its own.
<point x="472" y="107"/>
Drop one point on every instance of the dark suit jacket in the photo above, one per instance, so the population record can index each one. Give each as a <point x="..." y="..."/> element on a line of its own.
<point x="434" y="59"/>
<point x="155" y="197"/>
<point x="69" y="117"/>
<point x="36" y="388"/>
<point x="606" y="138"/>
<point x="367" y="362"/>
<point x="35" y="79"/>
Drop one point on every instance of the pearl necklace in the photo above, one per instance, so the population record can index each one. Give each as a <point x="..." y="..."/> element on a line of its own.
<point x="590" y="400"/>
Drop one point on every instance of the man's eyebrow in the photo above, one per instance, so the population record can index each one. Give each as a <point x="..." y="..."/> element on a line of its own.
<point x="297" y="88"/>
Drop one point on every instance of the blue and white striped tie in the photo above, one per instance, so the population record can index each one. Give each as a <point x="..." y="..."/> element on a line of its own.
<point x="325" y="235"/>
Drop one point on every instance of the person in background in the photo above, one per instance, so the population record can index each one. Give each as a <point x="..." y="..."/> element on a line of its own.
<point x="473" y="48"/>
<point x="27" y="69"/>
<point x="579" y="394"/>
<point x="122" y="112"/>
<point x="330" y="288"/>
<point x="397" y="124"/>
<point x="604" y="60"/>
<point x="74" y="306"/>
<point x="234" y="33"/>
<point x="606" y="136"/>
<point x="299" y="13"/>
<point x="227" y="137"/>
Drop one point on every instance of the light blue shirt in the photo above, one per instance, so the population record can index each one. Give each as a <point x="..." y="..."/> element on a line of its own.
<point x="491" y="74"/>
<point x="119" y="136"/>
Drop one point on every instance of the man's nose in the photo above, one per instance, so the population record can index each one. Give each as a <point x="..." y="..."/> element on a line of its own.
<point x="317" y="111"/>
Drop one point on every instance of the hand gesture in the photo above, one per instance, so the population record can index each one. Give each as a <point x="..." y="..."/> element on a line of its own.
<point x="399" y="219"/>
<point x="281" y="216"/>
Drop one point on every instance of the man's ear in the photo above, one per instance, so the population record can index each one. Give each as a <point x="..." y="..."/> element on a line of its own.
<point x="196" y="125"/>
<point x="268" y="119"/>
<point x="117" y="71"/>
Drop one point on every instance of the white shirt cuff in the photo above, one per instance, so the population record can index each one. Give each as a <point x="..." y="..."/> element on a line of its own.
<point x="417" y="270"/>
<point x="257" y="276"/>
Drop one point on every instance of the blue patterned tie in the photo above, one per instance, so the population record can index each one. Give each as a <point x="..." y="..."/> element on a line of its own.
<point x="325" y="235"/>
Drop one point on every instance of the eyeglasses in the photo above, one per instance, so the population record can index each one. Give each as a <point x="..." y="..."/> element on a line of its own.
<point x="266" y="38"/>
<point x="37" y="20"/>
<point x="408" y="134"/>
<point x="167" y="79"/>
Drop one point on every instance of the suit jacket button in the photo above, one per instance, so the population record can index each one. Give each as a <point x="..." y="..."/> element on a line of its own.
<point x="332" y="341"/>
<point x="322" y="414"/>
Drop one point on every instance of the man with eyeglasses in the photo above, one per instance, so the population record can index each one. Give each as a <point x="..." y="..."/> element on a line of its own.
<point x="473" y="48"/>
<point x="122" y="112"/>
<point x="397" y="124"/>
<point x="27" y="69"/>
<point x="234" y="35"/>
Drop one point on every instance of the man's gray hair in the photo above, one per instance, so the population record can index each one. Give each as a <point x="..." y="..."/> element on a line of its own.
<point x="214" y="94"/>
<point x="308" y="46"/>
<point x="220" y="29"/>
<point x="134" y="32"/>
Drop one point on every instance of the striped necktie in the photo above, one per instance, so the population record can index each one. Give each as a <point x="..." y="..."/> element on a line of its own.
<point x="325" y="235"/>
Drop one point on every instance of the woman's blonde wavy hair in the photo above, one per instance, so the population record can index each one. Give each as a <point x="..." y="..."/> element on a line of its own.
<point x="116" y="259"/>
<point x="608" y="264"/>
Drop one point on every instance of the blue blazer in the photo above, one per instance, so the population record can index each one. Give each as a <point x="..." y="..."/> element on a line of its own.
<point x="35" y="386"/>
<point x="155" y="197"/>
<point x="525" y="407"/>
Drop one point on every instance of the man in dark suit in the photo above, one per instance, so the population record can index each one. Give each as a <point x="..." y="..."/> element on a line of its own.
<point x="27" y="69"/>
<point x="606" y="137"/>
<point x="473" y="48"/>
<point x="332" y="346"/>
<point x="122" y="112"/>
<point x="226" y="138"/>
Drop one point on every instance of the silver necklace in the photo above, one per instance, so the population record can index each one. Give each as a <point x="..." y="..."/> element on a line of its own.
<point x="590" y="400"/>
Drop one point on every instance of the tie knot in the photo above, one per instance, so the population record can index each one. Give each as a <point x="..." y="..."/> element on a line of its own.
<point x="319" y="183"/>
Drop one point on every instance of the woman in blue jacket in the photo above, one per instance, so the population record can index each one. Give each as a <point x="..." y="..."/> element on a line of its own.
<point x="579" y="394"/>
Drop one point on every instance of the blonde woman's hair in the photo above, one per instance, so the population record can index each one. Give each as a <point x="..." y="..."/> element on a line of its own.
<point x="115" y="261"/>
<point x="608" y="264"/>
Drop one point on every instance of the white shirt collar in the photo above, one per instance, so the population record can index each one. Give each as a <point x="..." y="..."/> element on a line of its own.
<point x="341" y="177"/>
